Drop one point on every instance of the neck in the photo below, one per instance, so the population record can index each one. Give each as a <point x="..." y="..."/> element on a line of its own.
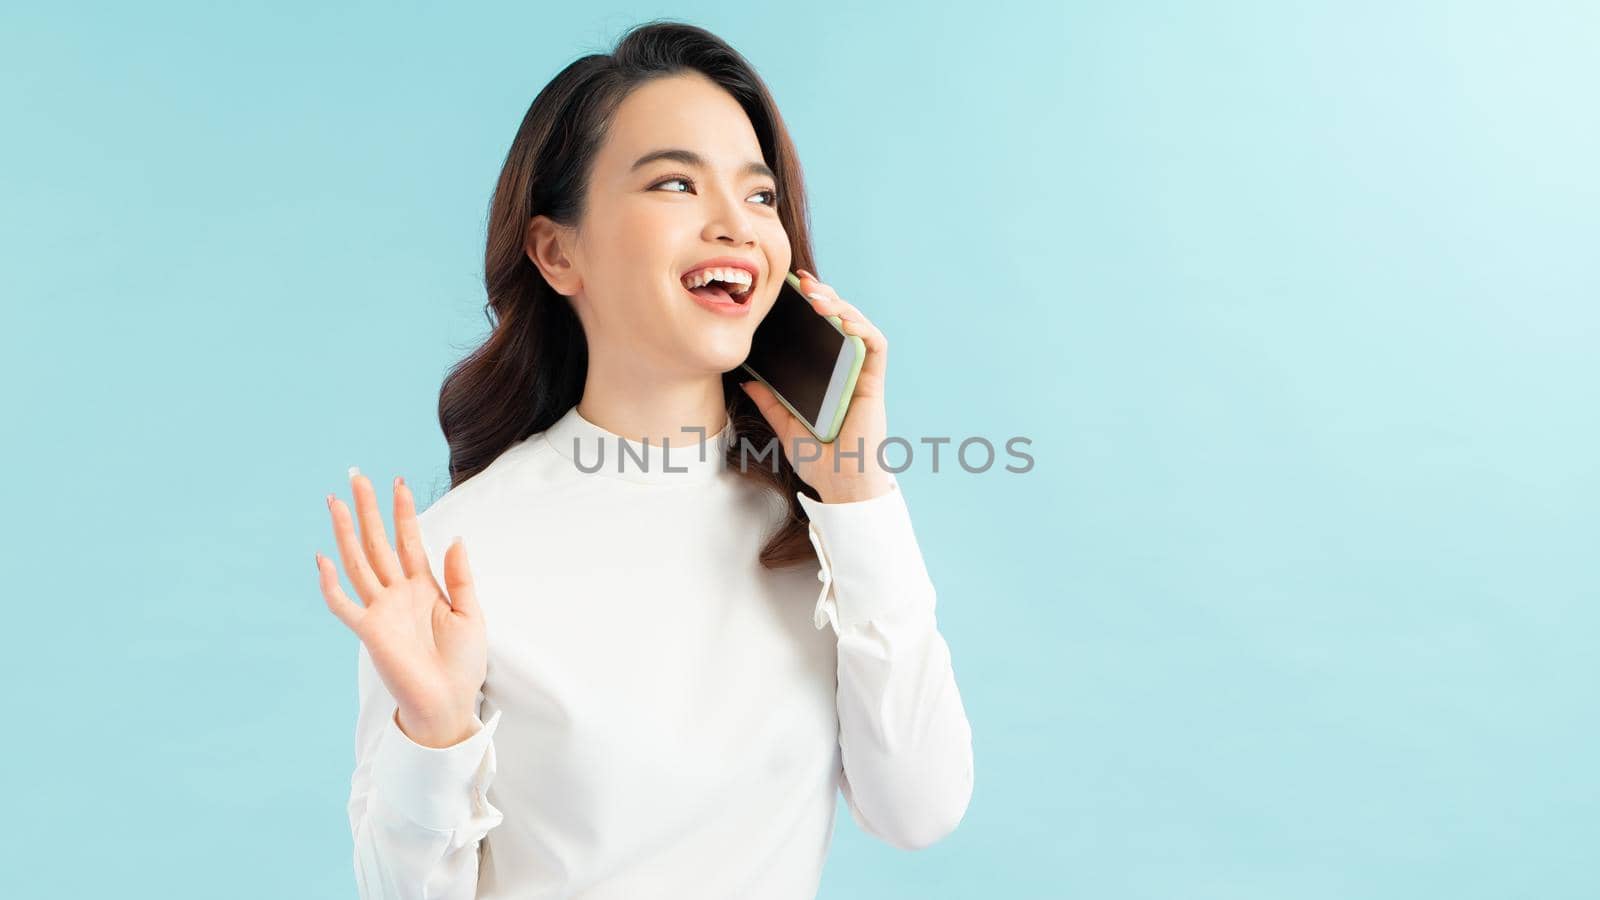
<point x="647" y="406"/>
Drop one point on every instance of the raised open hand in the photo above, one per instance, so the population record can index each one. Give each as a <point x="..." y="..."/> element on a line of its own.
<point x="431" y="649"/>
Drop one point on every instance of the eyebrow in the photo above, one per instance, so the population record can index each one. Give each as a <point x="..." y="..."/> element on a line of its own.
<point x="691" y="158"/>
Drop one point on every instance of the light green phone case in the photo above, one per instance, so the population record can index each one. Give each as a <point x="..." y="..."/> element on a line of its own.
<point x="859" y="348"/>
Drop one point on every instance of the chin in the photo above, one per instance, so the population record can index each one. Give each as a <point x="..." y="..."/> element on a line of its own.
<point x="727" y="362"/>
<point x="721" y="356"/>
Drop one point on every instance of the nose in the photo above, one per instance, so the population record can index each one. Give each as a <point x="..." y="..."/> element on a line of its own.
<point x="729" y="222"/>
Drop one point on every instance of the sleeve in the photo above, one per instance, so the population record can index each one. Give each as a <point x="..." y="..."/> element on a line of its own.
<point x="417" y="813"/>
<point x="903" y="731"/>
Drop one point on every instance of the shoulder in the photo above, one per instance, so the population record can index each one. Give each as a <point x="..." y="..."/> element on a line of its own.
<point x="515" y="471"/>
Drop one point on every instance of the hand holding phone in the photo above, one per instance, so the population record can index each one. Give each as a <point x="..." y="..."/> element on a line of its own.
<point x="808" y="360"/>
<point x="852" y="379"/>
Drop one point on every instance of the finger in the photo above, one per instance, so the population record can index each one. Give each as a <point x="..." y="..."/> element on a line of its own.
<point x="339" y="604"/>
<point x="877" y="360"/>
<point x="408" y="534"/>
<point x="827" y="302"/>
<point x="854" y="322"/>
<point x="830" y="304"/>
<point x="811" y="284"/>
<point x="355" y="562"/>
<point x="374" y="539"/>
<point x="458" y="580"/>
<point x="863" y="326"/>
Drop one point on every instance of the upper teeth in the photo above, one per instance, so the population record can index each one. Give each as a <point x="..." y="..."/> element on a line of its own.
<point x="701" y="277"/>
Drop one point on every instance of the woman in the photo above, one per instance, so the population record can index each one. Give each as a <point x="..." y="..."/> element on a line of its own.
<point x="639" y="641"/>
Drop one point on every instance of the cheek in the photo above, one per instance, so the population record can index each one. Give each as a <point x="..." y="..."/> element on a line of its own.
<point x="781" y="255"/>
<point x="640" y="247"/>
<point x="652" y="223"/>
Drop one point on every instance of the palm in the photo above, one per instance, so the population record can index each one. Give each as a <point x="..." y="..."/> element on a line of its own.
<point x="428" y="654"/>
<point x="429" y="647"/>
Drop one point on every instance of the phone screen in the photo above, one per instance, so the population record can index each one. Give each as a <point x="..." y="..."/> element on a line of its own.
<point x="795" y="350"/>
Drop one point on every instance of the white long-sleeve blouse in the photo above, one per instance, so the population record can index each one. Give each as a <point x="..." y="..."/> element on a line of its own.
<point x="662" y="716"/>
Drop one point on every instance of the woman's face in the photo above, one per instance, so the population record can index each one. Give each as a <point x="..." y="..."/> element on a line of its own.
<point x="646" y="226"/>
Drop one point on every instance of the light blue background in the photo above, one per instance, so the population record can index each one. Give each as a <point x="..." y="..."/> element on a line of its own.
<point x="1297" y="302"/>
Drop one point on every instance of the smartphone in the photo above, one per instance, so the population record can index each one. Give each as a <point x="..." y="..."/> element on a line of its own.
<point x="807" y="360"/>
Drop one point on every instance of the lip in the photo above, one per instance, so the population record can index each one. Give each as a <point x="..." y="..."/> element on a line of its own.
<point x="726" y="262"/>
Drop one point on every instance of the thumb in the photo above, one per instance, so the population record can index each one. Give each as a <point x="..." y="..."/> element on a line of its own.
<point x="772" y="409"/>
<point x="458" y="580"/>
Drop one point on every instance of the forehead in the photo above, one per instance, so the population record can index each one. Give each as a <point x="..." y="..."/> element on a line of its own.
<point x="689" y="111"/>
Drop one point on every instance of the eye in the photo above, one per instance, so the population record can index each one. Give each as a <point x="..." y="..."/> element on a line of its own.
<point x="770" y="192"/>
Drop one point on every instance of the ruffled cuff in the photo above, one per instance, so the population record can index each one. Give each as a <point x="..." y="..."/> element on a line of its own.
<point x="869" y="562"/>
<point x="436" y="787"/>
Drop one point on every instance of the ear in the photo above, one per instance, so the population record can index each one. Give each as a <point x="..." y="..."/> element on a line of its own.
<point x="544" y="242"/>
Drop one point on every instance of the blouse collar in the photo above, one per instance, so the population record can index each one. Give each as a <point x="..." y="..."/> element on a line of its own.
<point x="593" y="450"/>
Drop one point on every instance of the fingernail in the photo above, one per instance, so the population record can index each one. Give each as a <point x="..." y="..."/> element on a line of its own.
<point x="330" y="501"/>
<point x="319" y="562"/>
<point x="818" y="297"/>
<point x="398" y="481"/>
<point x="354" y="472"/>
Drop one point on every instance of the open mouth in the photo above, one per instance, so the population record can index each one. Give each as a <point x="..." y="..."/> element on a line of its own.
<point x="720" y="290"/>
<point x="721" y="294"/>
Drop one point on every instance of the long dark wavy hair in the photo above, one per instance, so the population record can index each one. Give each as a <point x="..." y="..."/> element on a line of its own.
<point x="531" y="368"/>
